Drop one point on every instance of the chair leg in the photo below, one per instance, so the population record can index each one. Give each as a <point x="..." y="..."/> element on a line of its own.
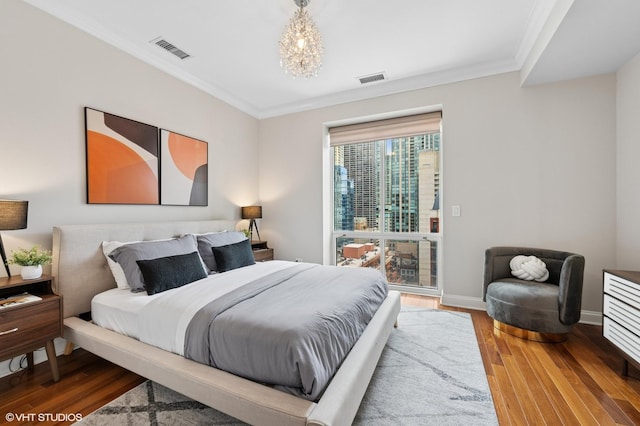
<point x="528" y="334"/>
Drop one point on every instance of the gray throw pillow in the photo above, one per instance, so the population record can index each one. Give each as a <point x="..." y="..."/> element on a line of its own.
<point x="216" y="239"/>
<point x="128" y="255"/>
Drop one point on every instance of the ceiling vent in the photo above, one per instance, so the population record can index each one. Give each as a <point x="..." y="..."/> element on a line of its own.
<point x="365" y="79"/>
<point x="170" y="48"/>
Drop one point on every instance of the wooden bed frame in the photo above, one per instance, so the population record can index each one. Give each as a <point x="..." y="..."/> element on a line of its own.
<point x="81" y="271"/>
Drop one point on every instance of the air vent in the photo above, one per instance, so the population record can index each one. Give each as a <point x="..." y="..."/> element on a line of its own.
<point x="170" y="48"/>
<point x="372" y="78"/>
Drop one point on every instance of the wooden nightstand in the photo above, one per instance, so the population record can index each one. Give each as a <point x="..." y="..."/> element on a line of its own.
<point x="25" y="327"/>
<point x="261" y="252"/>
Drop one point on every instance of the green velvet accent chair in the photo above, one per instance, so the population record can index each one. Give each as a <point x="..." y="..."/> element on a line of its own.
<point x="552" y="306"/>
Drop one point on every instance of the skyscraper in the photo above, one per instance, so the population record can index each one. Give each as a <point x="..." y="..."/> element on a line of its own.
<point x="399" y="177"/>
<point x="411" y="181"/>
<point x="343" y="200"/>
<point x="362" y="162"/>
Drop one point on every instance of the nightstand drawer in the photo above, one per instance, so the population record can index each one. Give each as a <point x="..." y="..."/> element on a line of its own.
<point x="28" y="324"/>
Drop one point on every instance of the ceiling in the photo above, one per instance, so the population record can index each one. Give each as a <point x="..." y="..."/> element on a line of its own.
<point x="415" y="43"/>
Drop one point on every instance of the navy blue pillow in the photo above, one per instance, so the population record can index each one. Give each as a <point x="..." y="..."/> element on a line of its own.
<point x="233" y="256"/>
<point x="165" y="273"/>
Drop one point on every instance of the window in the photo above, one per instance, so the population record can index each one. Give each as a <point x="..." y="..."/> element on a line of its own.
<point x="386" y="192"/>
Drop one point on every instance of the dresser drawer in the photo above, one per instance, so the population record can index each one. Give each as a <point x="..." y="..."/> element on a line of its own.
<point x="621" y="313"/>
<point x="626" y="341"/>
<point x="623" y="290"/>
<point x="29" y="324"/>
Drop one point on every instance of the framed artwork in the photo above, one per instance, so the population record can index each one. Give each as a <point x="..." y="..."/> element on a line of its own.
<point x="122" y="160"/>
<point x="183" y="170"/>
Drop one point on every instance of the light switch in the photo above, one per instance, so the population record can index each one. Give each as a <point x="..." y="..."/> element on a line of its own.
<point x="455" y="210"/>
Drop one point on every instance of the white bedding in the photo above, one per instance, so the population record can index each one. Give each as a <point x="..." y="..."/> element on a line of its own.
<point x="162" y="319"/>
<point x="79" y="280"/>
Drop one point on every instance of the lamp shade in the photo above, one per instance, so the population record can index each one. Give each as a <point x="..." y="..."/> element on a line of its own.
<point x="252" y="212"/>
<point x="13" y="214"/>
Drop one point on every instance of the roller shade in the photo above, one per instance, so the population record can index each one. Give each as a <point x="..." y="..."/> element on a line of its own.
<point x="411" y="125"/>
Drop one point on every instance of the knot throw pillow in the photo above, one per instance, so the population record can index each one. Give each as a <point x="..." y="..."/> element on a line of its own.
<point x="529" y="268"/>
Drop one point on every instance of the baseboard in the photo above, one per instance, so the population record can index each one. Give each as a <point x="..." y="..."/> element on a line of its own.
<point x="38" y="356"/>
<point x="590" y="317"/>
<point x="586" y="317"/>
<point x="462" y="302"/>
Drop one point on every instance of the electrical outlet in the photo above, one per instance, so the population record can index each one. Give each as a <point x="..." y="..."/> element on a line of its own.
<point x="455" y="210"/>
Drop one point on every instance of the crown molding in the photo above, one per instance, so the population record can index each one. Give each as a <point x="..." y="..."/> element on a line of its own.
<point x="392" y="87"/>
<point x="385" y="88"/>
<point x="99" y="31"/>
<point x="537" y="20"/>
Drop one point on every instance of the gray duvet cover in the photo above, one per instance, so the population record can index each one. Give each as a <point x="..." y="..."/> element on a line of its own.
<point x="290" y="329"/>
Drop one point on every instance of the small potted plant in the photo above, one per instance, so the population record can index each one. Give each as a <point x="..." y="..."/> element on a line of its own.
<point x="31" y="261"/>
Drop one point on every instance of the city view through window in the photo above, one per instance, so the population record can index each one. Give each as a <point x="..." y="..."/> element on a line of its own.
<point x="386" y="208"/>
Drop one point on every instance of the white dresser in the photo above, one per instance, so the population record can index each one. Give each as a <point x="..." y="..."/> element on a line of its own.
<point x="621" y="314"/>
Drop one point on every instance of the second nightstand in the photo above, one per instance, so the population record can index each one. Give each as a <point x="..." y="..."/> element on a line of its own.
<point x="261" y="252"/>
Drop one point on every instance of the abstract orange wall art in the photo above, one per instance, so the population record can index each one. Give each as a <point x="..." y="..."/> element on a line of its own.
<point x="184" y="170"/>
<point x="122" y="160"/>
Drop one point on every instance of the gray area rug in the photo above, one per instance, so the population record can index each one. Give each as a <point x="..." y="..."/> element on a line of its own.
<point x="430" y="373"/>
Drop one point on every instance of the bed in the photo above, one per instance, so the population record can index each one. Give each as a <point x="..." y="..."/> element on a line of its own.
<point x="81" y="272"/>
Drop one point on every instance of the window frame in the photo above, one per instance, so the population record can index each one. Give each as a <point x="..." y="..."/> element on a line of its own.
<point x="382" y="235"/>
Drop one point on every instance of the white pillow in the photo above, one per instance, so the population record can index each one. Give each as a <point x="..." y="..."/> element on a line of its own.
<point x="116" y="269"/>
<point x="529" y="268"/>
<point x="128" y="254"/>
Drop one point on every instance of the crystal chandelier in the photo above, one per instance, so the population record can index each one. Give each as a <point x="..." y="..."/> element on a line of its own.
<point x="301" y="46"/>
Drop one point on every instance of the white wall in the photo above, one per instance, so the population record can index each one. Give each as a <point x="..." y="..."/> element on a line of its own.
<point x="50" y="71"/>
<point x="532" y="166"/>
<point x="628" y="170"/>
<point x="529" y="166"/>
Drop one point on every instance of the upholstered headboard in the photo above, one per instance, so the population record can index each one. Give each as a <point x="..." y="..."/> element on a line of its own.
<point x="79" y="267"/>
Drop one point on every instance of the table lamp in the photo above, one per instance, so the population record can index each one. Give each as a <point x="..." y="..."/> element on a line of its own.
<point x="13" y="215"/>
<point x="252" y="213"/>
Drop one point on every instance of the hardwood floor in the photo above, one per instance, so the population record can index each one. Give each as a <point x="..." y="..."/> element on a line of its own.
<point x="576" y="382"/>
